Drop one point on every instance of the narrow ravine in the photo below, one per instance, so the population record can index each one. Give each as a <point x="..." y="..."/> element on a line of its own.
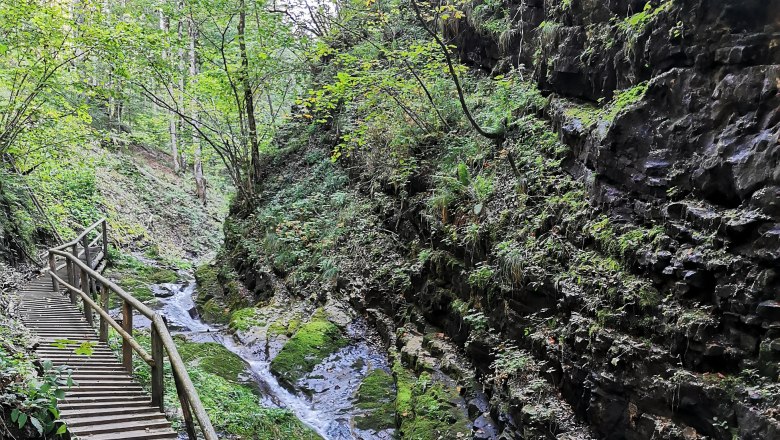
<point x="323" y="400"/>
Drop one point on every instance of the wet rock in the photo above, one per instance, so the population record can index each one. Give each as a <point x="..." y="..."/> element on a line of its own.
<point x="478" y="405"/>
<point x="769" y="309"/>
<point x="485" y="428"/>
<point x="164" y="290"/>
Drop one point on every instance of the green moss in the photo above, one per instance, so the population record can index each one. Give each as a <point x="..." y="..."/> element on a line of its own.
<point x="208" y="285"/>
<point x="285" y="327"/>
<point x="587" y="114"/>
<point x="155" y="275"/>
<point x="426" y="408"/>
<point x="312" y="343"/>
<point x="213" y="311"/>
<point x="212" y="357"/>
<point x="245" y="319"/>
<point x="136" y="277"/>
<point x="376" y="395"/>
<point x="235" y="409"/>
<point x="625" y="98"/>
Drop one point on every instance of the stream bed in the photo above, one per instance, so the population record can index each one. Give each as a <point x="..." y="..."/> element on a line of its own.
<point x="324" y="399"/>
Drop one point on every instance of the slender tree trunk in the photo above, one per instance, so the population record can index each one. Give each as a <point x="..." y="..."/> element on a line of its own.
<point x="179" y="96"/>
<point x="165" y="26"/>
<point x="197" y="169"/>
<point x="249" y="100"/>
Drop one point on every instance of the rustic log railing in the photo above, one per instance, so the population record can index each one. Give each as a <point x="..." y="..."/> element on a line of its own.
<point x="83" y="281"/>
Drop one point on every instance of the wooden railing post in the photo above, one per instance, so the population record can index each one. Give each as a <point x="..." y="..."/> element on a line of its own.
<point x="69" y="268"/>
<point x="55" y="285"/>
<point x="86" y="250"/>
<point x="158" y="389"/>
<point x="105" y="240"/>
<point x="103" y="333"/>
<point x="75" y="273"/>
<point x="186" y="411"/>
<point x="127" y="325"/>
<point x="85" y="287"/>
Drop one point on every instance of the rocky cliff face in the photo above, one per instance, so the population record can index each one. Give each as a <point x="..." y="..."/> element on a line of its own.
<point x="696" y="152"/>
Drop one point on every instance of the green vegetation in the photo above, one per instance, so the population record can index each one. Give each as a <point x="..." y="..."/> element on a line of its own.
<point x="29" y="389"/>
<point x="590" y="115"/>
<point x="376" y="396"/>
<point x="218" y="292"/>
<point x="313" y="342"/>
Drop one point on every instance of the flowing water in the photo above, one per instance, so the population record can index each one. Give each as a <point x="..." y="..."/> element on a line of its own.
<point x="324" y="399"/>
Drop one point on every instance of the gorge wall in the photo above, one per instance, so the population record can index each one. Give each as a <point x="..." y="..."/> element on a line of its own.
<point x="624" y="285"/>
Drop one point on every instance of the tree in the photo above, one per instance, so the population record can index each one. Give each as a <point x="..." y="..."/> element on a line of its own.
<point x="240" y="60"/>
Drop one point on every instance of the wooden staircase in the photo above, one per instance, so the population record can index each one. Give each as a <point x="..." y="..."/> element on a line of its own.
<point x="105" y="403"/>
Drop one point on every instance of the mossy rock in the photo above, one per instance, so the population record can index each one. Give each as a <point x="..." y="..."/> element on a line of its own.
<point x="244" y="319"/>
<point x="211" y="357"/>
<point x="425" y="408"/>
<point x="377" y="396"/>
<point x="282" y="327"/>
<point x="156" y="275"/>
<point x="233" y="407"/>
<point x="214" y="311"/>
<point x="312" y="343"/>
<point x="208" y="284"/>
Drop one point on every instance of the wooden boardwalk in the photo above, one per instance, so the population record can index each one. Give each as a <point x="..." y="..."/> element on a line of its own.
<point x="106" y="403"/>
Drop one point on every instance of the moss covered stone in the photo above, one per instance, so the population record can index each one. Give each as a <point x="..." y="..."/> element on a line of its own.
<point x="212" y="358"/>
<point x="376" y="395"/>
<point x="136" y="277"/>
<point x="213" y="311"/>
<point x="426" y="408"/>
<point x="244" y="319"/>
<point x="284" y="327"/>
<point x="312" y="343"/>
<point x="208" y="285"/>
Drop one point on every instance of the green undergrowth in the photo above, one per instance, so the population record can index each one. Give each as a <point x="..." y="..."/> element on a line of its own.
<point x="21" y="226"/>
<point x="298" y="229"/>
<point x="312" y="343"/>
<point x="232" y="405"/>
<point x="376" y="396"/>
<point x="29" y="389"/>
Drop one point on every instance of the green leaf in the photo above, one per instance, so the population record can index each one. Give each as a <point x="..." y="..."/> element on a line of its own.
<point x="61" y="430"/>
<point x="15" y="415"/>
<point x="37" y="424"/>
<point x="22" y="420"/>
<point x="85" y="349"/>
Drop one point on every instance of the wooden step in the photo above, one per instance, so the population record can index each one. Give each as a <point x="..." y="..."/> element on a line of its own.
<point x="105" y="401"/>
<point x="136" y="434"/>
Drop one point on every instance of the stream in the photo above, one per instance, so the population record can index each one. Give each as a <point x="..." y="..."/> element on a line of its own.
<point x="323" y="400"/>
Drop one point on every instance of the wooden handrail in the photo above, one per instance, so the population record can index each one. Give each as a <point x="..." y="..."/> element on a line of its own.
<point x="105" y="315"/>
<point x="78" y="239"/>
<point x="79" y="283"/>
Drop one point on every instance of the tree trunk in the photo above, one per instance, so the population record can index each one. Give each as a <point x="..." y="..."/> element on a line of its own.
<point x="249" y="100"/>
<point x="165" y="26"/>
<point x="200" y="181"/>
